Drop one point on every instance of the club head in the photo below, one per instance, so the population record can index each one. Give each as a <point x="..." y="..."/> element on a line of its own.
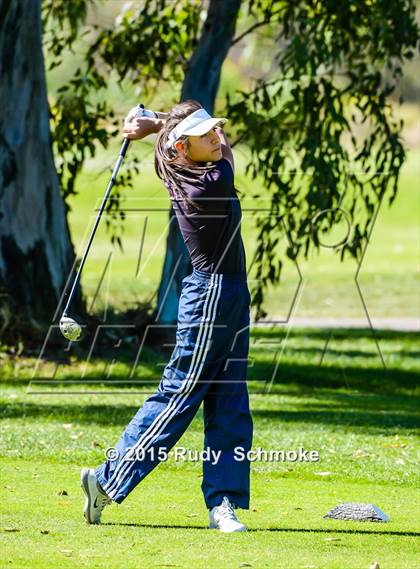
<point x="70" y="329"/>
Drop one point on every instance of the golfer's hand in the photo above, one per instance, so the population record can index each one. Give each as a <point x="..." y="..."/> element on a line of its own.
<point x="137" y="128"/>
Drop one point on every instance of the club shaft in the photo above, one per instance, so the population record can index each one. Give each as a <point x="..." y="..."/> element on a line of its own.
<point x="98" y="219"/>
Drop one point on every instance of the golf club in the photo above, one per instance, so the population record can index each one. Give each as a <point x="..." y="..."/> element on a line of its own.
<point x="71" y="329"/>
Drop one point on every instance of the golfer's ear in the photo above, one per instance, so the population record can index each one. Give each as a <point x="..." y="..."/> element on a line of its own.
<point x="179" y="146"/>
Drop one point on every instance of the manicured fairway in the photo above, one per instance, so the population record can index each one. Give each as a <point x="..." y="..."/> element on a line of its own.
<point x="362" y="419"/>
<point x="164" y="524"/>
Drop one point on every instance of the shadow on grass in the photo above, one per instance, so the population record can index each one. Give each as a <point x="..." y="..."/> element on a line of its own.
<point x="366" y="379"/>
<point x="379" y="398"/>
<point x="263" y="377"/>
<point x="298" y="530"/>
<point x="327" y="411"/>
<point x="350" y="367"/>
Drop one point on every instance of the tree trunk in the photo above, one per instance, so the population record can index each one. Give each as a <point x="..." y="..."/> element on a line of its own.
<point x="201" y="83"/>
<point x="36" y="255"/>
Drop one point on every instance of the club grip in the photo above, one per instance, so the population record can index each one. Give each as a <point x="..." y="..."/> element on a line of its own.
<point x="142" y="112"/>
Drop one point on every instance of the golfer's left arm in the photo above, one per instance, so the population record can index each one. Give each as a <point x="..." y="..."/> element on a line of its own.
<point x="226" y="149"/>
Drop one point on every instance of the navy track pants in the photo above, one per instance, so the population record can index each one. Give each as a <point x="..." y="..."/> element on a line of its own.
<point x="209" y="365"/>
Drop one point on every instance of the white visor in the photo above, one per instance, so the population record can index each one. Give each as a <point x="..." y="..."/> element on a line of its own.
<point x="197" y="123"/>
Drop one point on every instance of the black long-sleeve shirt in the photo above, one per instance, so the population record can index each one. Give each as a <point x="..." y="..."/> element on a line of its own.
<point x="212" y="233"/>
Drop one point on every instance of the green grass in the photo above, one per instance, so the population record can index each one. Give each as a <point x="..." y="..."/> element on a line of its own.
<point x="361" y="418"/>
<point x="156" y="529"/>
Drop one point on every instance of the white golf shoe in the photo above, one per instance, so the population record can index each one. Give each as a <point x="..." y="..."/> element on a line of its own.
<point x="224" y="519"/>
<point x="96" y="499"/>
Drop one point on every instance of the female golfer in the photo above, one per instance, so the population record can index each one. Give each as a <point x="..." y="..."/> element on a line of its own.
<point x="209" y="362"/>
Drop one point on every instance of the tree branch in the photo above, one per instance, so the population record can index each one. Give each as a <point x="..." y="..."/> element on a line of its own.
<point x="264" y="22"/>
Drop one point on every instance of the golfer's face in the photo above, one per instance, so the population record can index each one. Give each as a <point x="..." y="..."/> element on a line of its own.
<point x="205" y="148"/>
